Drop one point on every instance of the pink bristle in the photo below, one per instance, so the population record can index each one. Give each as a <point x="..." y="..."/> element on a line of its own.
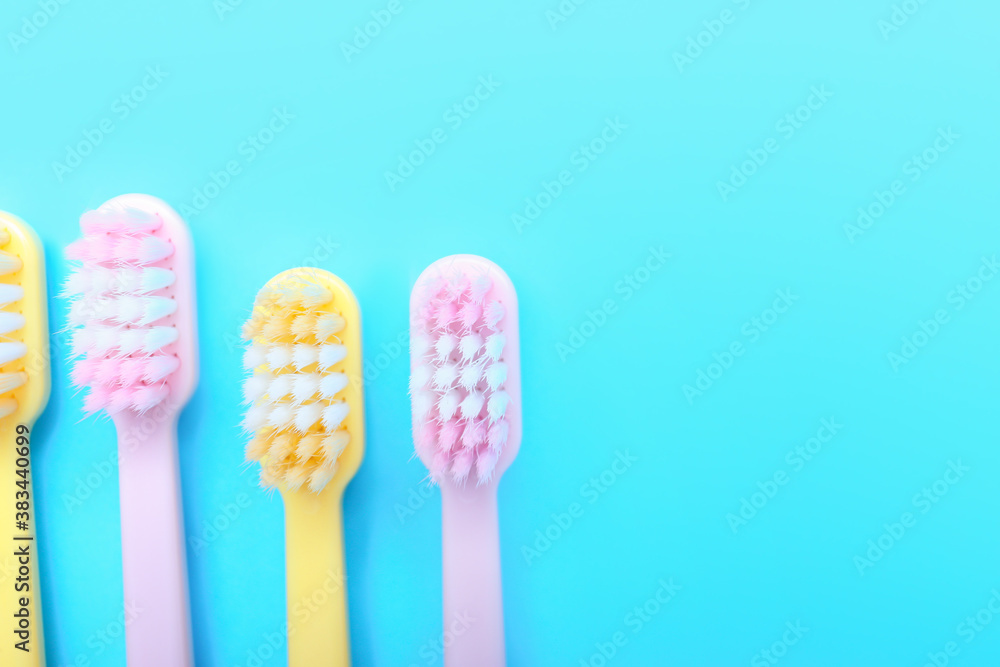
<point x="132" y="370"/>
<point x="126" y="248"/>
<point x="108" y="372"/>
<point x="445" y="313"/>
<point x="497" y="436"/>
<point x="153" y="249"/>
<point x="449" y="435"/>
<point x="121" y="399"/>
<point x="462" y="464"/>
<point x="425" y="438"/>
<point x="83" y="372"/>
<point x="475" y="433"/>
<point x="470" y="314"/>
<point x="145" y="397"/>
<point x="439" y="464"/>
<point x="159" y="367"/>
<point x="78" y="250"/>
<point x="486" y="463"/>
<point x="456" y="288"/>
<point x="119" y="222"/>
<point x="101" y="249"/>
<point x="96" y="400"/>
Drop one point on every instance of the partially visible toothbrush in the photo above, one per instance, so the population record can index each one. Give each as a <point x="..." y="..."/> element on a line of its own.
<point x="466" y="392"/>
<point x="133" y="301"/>
<point x="306" y="418"/>
<point x="24" y="391"/>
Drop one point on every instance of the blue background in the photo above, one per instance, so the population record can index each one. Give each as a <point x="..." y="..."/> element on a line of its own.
<point x="322" y="183"/>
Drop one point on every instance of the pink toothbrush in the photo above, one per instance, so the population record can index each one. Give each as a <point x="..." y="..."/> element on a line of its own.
<point x="466" y="387"/>
<point x="133" y="304"/>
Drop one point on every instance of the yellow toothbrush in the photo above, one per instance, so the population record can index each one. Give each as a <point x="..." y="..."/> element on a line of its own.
<point x="306" y="417"/>
<point x="24" y="391"/>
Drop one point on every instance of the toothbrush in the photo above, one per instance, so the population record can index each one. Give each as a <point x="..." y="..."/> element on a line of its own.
<point x="24" y="391"/>
<point x="465" y="384"/>
<point x="306" y="420"/>
<point x="136" y="347"/>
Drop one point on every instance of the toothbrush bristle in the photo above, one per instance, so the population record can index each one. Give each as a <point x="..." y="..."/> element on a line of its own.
<point x="11" y="351"/>
<point x="121" y="304"/>
<point x="459" y="375"/>
<point x="295" y="390"/>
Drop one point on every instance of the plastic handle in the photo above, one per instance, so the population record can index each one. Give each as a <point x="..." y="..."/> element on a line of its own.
<point x="19" y="580"/>
<point x="153" y="554"/>
<point x="473" y="592"/>
<point x="318" y="634"/>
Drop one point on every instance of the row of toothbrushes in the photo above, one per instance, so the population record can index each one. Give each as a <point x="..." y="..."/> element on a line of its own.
<point x="135" y="348"/>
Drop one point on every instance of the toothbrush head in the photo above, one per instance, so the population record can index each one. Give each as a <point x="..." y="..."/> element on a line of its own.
<point x="465" y="379"/>
<point x="305" y="391"/>
<point x="132" y="307"/>
<point x="24" y="327"/>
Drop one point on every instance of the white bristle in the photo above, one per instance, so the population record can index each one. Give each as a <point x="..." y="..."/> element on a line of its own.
<point x="420" y="346"/>
<point x="496" y="375"/>
<point x="420" y="376"/>
<point x="125" y="309"/>
<point x="304" y="386"/>
<point x="446" y="344"/>
<point x="280" y="387"/>
<point x="470" y="345"/>
<point x="155" y="308"/>
<point x="10" y="293"/>
<point x="255" y="418"/>
<point x="307" y="415"/>
<point x="334" y="415"/>
<point x="498" y="405"/>
<point x="131" y="341"/>
<point x="330" y="355"/>
<point x="9" y="263"/>
<point x="279" y="356"/>
<point x="445" y="376"/>
<point x="281" y="415"/>
<point x="448" y="405"/>
<point x="255" y="355"/>
<point x="469" y="377"/>
<point x="158" y="338"/>
<point x="11" y="381"/>
<point x="333" y="384"/>
<point x="11" y="322"/>
<point x="472" y="405"/>
<point x="255" y="386"/>
<point x="423" y="403"/>
<point x="154" y="278"/>
<point x="494" y="345"/>
<point x="305" y="355"/>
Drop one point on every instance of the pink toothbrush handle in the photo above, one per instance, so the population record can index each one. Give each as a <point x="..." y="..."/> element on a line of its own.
<point x="473" y="594"/>
<point x="158" y="633"/>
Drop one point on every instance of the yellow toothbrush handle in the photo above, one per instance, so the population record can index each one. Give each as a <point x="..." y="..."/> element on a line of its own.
<point x="318" y="633"/>
<point x="21" y="643"/>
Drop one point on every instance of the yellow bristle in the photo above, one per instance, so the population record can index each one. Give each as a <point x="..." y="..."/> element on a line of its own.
<point x="309" y="445"/>
<point x="282" y="447"/>
<point x="334" y="444"/>
<point x="274" y="329"/>
<point x="321" y="476"/>
<point x="297" y="476"/>
<point x="327" y="325"/>
<point x="303" y="325"/>
<point x="258" y="447"/>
